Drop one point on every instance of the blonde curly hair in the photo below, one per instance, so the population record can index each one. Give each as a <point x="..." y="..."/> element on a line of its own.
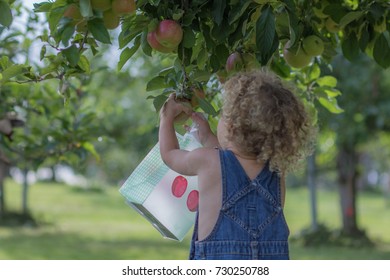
<point x="265" y="119"/>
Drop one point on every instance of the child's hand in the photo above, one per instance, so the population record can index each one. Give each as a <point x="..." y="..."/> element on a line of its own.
<point x="205" y="135"/>
<point x="173" y="108"/>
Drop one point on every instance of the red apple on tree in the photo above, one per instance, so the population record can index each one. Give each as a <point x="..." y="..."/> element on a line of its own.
<point x="154" y="44"/>
<point x="73" y="12"/>
<point x="197" y="94"/>
<point x="185" y="115"/>
<point x="110" y="19"/>
<point x="234" y="62"/>
<point x="169" y="33"/>
<point x="101" y="5"/>
<point x="122" y="7"/>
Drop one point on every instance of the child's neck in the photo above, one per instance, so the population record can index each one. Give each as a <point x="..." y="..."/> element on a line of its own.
<point x="245" y="156"/>
<point x="242" y="156"/>
<point x="249" y="163"/>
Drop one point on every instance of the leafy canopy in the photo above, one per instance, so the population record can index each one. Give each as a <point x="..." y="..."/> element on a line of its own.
<point x="212" y="30"/>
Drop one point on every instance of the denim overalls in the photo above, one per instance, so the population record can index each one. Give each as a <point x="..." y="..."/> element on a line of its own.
<point x="251" y="224"/>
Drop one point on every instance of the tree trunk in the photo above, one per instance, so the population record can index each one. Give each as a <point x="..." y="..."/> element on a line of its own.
<point x="4" y="167"/>
<point x="25" y="192"/>
<point x="347" y="161"/>
<point x="54" y="174"/>
<point x="2" y="202"/>
<point x="311" y="182"/>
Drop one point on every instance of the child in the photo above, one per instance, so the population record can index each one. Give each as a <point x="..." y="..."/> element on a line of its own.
<point x="262" y="133"/>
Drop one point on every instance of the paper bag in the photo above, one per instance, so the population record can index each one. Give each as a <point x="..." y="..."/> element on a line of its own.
<point x="165" y="198"/>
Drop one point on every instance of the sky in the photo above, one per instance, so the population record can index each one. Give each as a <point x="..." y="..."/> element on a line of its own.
<point x="29" y="3"/>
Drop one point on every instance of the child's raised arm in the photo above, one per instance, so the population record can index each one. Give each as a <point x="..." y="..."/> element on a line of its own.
<point x="206" y="137"/>
<point x="181" y="161"/>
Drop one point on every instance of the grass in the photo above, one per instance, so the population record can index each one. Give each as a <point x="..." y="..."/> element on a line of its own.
<point x="82" y="224"/>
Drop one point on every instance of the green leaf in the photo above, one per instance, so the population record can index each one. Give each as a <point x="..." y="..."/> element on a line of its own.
<point x="156" y="83"/>
<point x="331" y="105"/>
<point x="43" y="7"/>
<point x="42" y="53"/>
<point x="332" y="92"/>
<point x="222" y="53"/>
<point x="207" y="107"/>
<point x="55" y="15"/>
<point x="123" y="41"/>
<point x="13" y="71"/>
<point x="200" y="76"/>
<point x="206" y="32"/>
<point x="128" y="53"/>
<point x="158" y="101"/>
<point x="314" y="72"/>
<point x="326" y="92"/>
<point x="202" y="58"/>
<point x="90" y="148"/>
<point x="4" y="61"/>
<point x="220" y="32"/>
<point x="237" y="12"/>
<point x="146" y="48"/>
<point x="178" y="15"/>
<point x="282" y="70"/>
<point x="311" y="110"/>
<point x="166" y="71"/>
<point x="295" y="31"/>
<point x="264" y="57"/>
<point x="72" y="54"/>
<point x="188" y="18"/>
<point x="376" y="10"/>
<point x="5" y="14"/>
<point x="132" y="30"/>
<point x="66" y="34"/>
<point x="336" y="11"/>
<point x="265" y="31"/>
<point x="350" y="47"/>
<point x="198" y="46"/>
<point x="99" y="31"/>
<point x="350" y="17"/>
<point x="382" y="51"/>
<point x="188" y="38"/>
<point x="218" y="10"/>
<point x="84" y="64"/>
<point x="327" y="81"/>
<point x="290" y="5"/>
<point x="364" y="38"/>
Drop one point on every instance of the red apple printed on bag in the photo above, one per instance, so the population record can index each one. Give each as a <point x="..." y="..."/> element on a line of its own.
<point x="193" y="200"/>
<point x="179" y="186"/>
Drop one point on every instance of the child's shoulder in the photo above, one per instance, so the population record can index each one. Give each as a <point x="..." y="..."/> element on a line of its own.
<point x="205" y="155"/>
<point x="206" y="159"/>
<point x="206" y="152"/>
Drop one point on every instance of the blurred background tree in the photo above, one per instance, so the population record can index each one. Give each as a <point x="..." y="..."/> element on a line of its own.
<point x="77" y="121"/>
<point x="366" y="104"/>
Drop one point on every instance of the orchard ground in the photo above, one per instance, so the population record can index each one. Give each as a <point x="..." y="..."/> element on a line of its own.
<point x="95" y="223"/>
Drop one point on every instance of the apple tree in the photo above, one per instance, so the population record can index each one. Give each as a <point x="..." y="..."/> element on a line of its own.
<point x="211" y="39"/>
<point x="366" y="103"/>
<point x="36" y="128"/>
